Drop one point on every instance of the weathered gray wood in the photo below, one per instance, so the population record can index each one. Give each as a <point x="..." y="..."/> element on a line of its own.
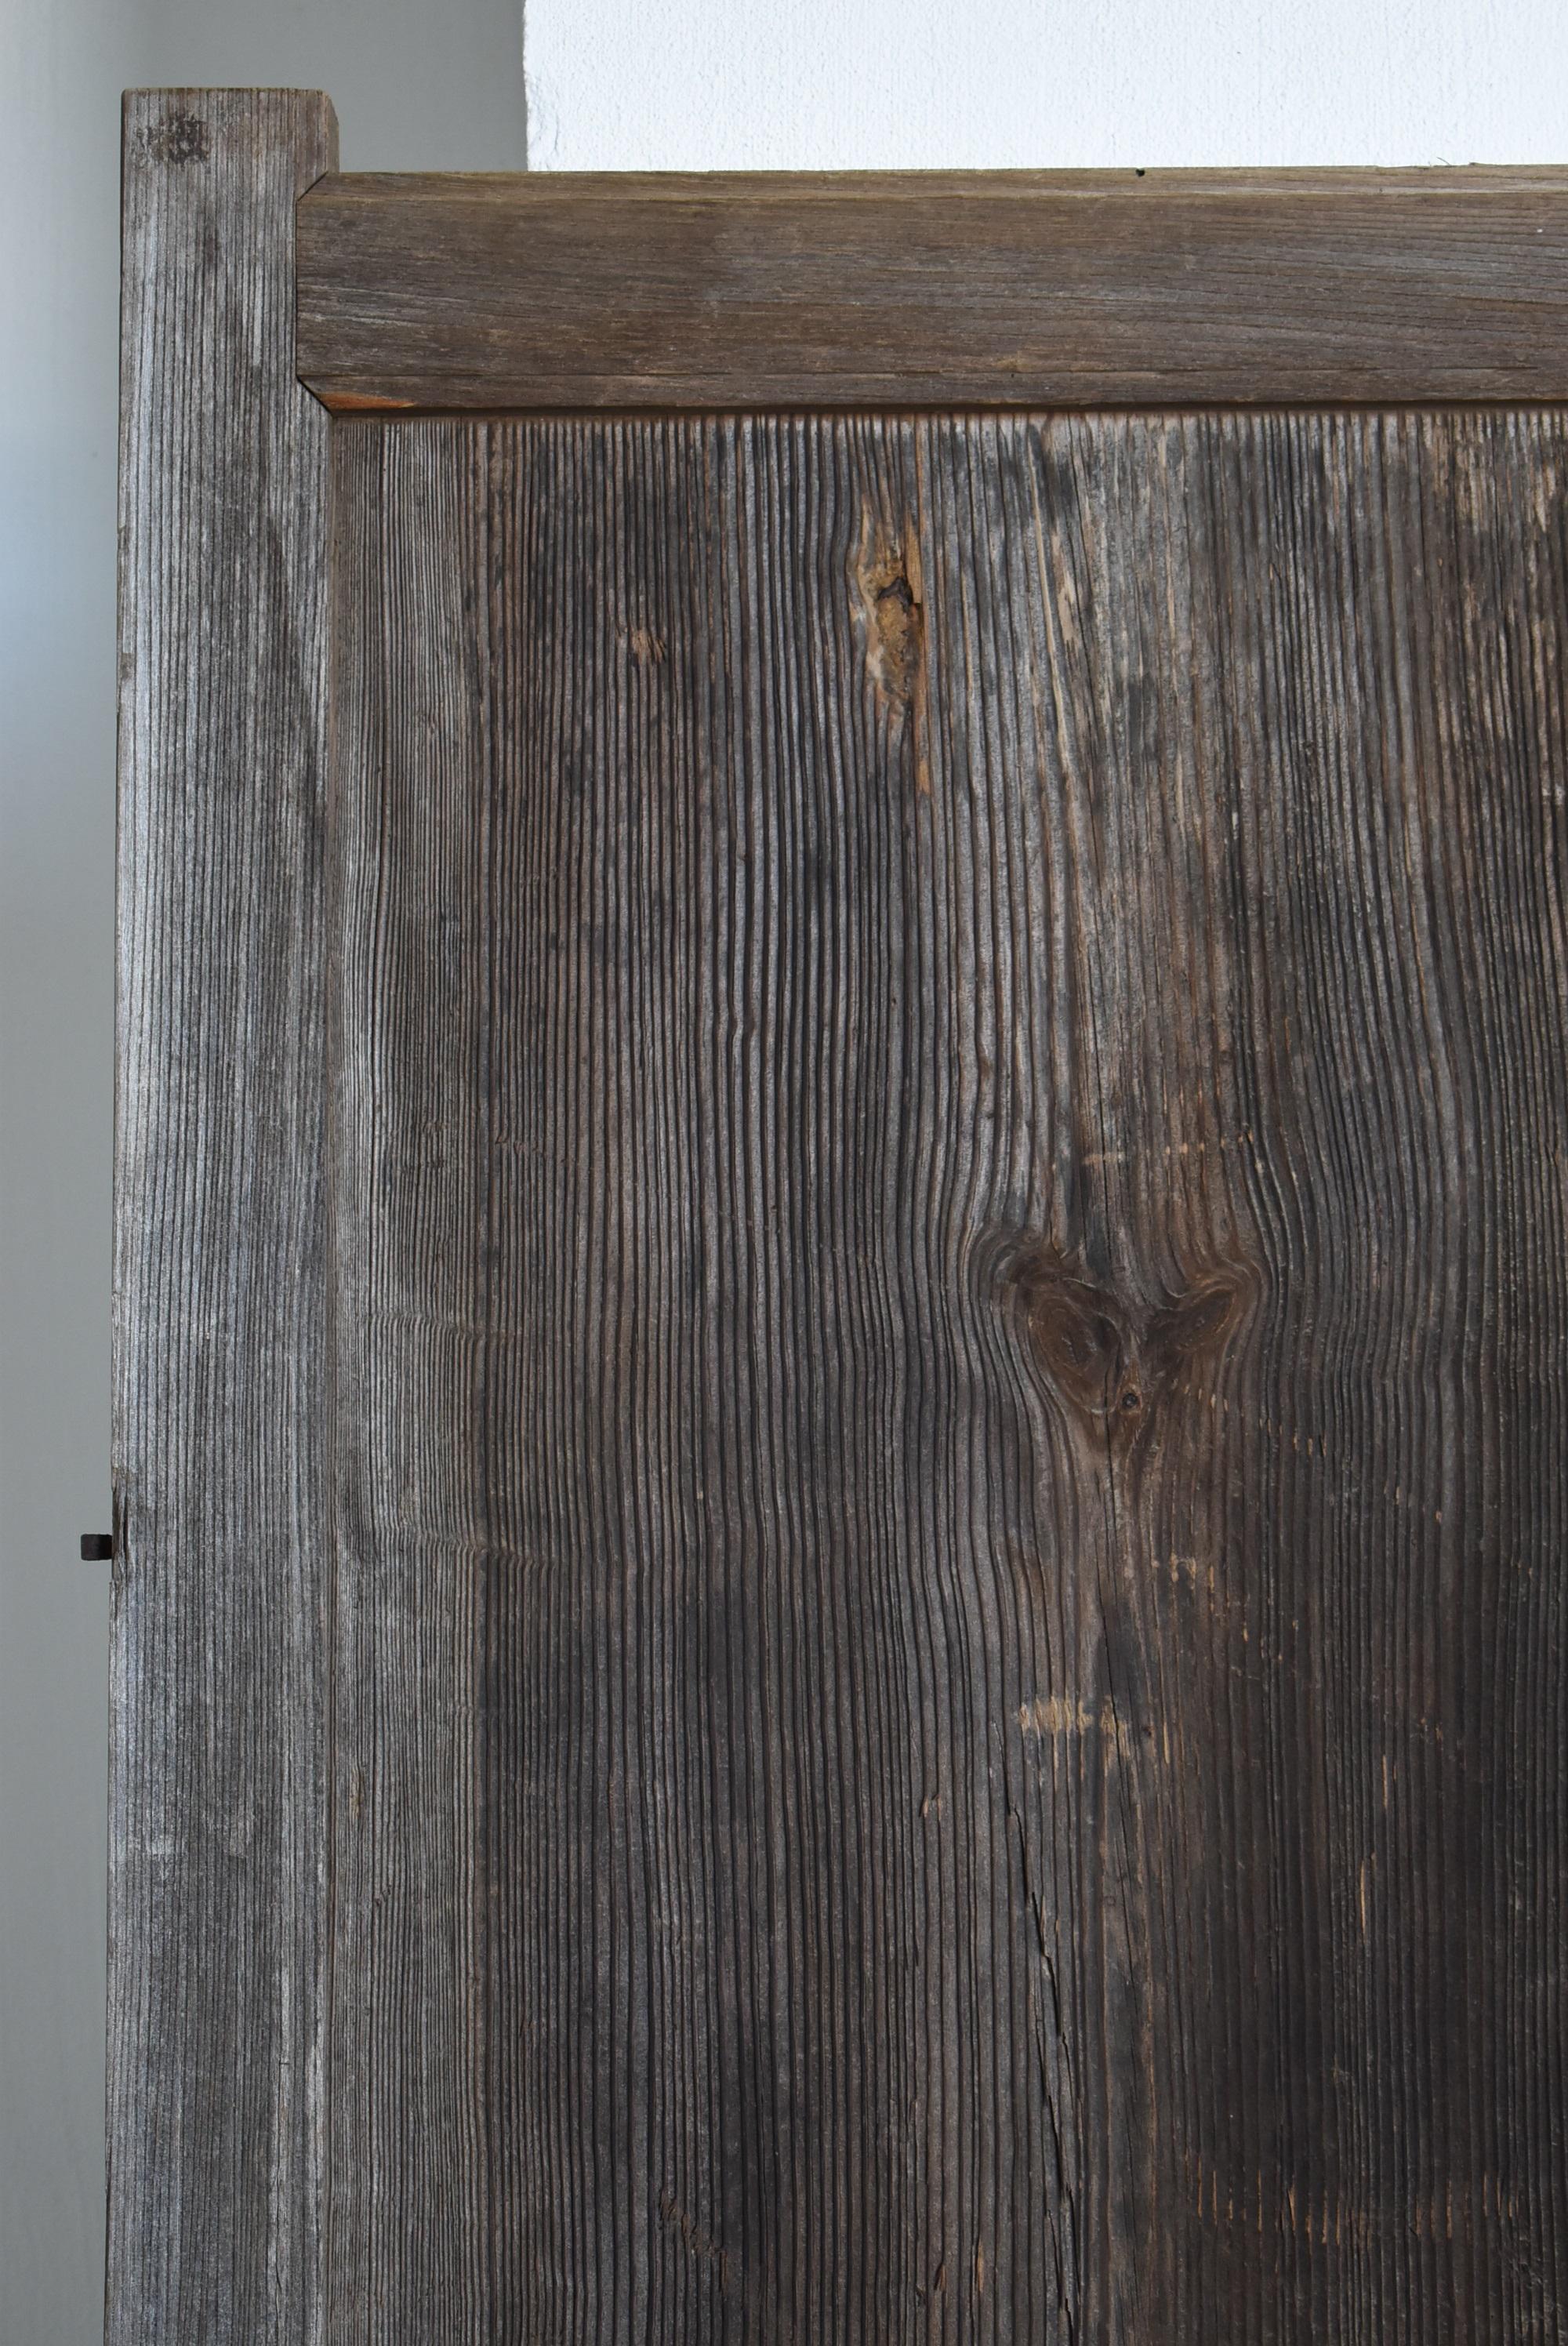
<point x="1084" y="289"/>
<point x="411" y="2126"/>
<point x="952" y="1261"/>
<point x="875" y="1647"/>
<point x="218" y="1849"/>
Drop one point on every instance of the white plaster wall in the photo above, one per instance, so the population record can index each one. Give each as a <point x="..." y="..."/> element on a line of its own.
<point x="836" y="85"/>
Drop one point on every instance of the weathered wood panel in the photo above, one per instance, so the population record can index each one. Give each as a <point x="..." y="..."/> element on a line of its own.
<point x="218" y="1838"/>
<point x="950" y="1247"/>
<point x="1072" y="289"/>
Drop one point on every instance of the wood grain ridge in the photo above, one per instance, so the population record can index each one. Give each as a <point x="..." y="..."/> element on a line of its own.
<point x="218" y="1848"/>
<point x="1011" y="289"/>
<point x="953" y="1254"/>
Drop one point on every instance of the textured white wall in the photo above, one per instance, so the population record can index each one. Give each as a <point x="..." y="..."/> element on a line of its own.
<point x="834" y="85"/>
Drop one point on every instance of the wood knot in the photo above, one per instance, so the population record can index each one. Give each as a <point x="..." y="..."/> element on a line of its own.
<point x="1107" y="1359"/>
<point x="898" y="630"/>
<point x="1188" y="1327"/>
<point x="1076" y="1330"/>
<point x="887" y="576"/>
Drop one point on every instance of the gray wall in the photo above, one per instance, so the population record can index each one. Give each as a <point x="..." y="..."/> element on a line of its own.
<point x="417" y="86"/>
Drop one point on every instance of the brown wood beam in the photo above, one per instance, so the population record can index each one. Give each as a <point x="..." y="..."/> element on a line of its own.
<point x="924" y="290"/>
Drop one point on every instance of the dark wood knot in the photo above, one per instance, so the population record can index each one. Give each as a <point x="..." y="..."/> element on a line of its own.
<point x="1109" y="1360"/>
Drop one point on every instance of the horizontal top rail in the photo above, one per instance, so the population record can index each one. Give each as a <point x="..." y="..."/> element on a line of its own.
<point x="562" y="291"/>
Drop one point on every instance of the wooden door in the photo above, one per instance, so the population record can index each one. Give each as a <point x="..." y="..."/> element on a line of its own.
<point x="842" y="1256"/>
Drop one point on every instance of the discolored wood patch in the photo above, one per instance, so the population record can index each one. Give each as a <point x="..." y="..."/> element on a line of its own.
<point x="177" y="138"/>
<point x="887" y="576"/>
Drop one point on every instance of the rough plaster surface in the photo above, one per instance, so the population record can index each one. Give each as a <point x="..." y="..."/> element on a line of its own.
<point x="814" y="84"/>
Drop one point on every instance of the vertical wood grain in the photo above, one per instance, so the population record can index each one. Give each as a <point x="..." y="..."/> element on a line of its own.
<point x="218" y="1849"/>
<point x="949" y="1112"/>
